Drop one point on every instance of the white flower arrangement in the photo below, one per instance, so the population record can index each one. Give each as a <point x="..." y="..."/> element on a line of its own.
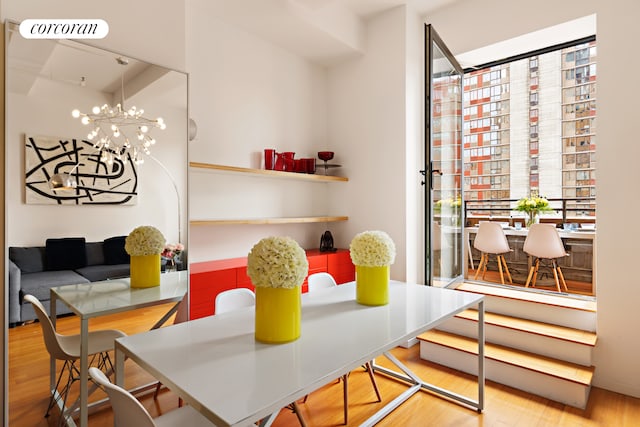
<point x="277" y="262"/>
<point x="144" y="240"/>
<point x="372" y="249"/>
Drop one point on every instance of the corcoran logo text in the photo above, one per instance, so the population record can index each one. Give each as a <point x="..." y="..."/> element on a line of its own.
<point x="64" y="28"/>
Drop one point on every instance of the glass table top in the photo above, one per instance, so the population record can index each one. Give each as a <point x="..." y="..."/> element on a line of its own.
<point x="112" y="296"/>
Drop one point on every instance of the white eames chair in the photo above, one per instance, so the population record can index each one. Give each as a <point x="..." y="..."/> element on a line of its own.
<point x="319" y="281"/>
<point x="66" y="348"/>
<point x="316" y="282"/>
<point x="543" y="242"/>
<point x="234" y="299"/>
<point x="491" y="240"/>
<point x="128" y="412"/>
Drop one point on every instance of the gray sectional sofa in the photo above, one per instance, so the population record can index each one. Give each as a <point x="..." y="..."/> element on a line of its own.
<point x="34" y="270"/>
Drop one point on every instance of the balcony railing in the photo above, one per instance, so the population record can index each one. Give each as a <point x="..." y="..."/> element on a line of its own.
<point x="568" y="208"/>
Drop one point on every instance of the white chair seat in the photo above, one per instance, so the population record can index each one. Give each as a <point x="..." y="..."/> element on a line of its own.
<point x="319" y="281"/>
<point x="99" y="342"/>
<point x="234" y="299"/>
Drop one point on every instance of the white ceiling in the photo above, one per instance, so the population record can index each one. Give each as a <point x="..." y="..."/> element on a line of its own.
<point x="73" y="63"/>
<point x="323" y="31"/>
<point x="366" y="8"/>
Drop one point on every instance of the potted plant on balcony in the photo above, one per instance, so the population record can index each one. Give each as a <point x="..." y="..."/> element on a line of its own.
<point x="533" y="206"/>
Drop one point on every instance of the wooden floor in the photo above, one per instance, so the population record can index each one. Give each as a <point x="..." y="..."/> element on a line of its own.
<point x="504" y="406"/>
<point x="574" y="287"/>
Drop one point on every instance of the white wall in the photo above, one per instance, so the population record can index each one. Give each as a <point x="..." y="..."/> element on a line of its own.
<point x="247" y="95"/>
<point x="415" y="155"/>
<point x="367" y="121"/>
<point x="618" y="290"/>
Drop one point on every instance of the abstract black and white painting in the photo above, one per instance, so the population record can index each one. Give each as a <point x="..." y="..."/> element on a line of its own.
<point x="99" y="183"/>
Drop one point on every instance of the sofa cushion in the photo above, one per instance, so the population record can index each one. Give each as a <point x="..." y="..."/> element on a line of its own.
<point x="38" y="284"/>
<point x="66" y="254"/>
<point x="28" y="259"/>
<point x="114" y="252"/>
<point x="95" y="253"/>
<point x="95" y="273"/>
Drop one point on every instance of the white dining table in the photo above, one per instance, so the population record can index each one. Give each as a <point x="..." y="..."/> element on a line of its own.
<point x="215" y="364"/>
<point x="90" y="300"/>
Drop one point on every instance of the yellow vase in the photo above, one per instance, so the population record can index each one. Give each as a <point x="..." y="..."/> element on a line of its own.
<point x="372" y="285"/>
<point x="145" y="271"/>
<point x="278" y="314"/>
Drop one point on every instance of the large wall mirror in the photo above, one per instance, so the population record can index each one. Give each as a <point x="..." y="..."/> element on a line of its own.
<point x="46" y="81"/>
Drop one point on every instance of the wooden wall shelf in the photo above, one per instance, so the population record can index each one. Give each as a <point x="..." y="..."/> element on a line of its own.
<point x="269" y="173"/>
<point x="284" y="220"/>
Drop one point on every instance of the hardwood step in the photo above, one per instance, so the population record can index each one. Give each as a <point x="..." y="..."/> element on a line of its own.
<point x="534" y="297"/>
<point x="567" y="371"/>
<point x="563" y="333"/>
<point x="573" y="313"/>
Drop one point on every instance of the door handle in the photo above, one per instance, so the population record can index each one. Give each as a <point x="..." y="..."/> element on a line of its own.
<point x="433" y="172"/>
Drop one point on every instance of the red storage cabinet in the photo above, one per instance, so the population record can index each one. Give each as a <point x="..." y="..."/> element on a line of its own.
<point x="209" y="278"/>
<point x="340" y="266"/>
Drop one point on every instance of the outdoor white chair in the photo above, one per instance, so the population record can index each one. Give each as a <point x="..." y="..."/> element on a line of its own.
<point x="543" y="242"/>
<point x="66" y="348"/>
<point x="234" y="299"/>
<point x="491" y="240"/>
<point x="319" y="281"/>
<point x="128" y="412"/>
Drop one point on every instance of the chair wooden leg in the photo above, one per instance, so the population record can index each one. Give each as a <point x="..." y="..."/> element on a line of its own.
<point x="480" y="264"/>
<point x="500" y="269"/>
<point x="564" y="284"/>
<point x="155" y="393"/>
<point x="555" y="275"/>
<point x="296" y="410"/>
<point x="486" y="264"/>
<point x="531" y="270"/>
<point x="345" y="397"/>
<point x="535" y="273"/>
<point x="373" y="380"/>
<point x="506" y="268"/>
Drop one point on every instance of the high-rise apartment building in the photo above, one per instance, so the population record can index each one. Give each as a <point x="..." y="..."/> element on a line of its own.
<point x="529" y="128"/>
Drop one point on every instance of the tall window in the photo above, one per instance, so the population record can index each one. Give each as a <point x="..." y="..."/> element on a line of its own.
<point x="538" y="115"/>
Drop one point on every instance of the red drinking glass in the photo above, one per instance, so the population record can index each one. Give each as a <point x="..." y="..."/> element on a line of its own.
<point x="269" y="158"/>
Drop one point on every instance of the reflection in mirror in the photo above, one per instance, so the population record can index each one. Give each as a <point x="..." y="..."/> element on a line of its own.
<point x="109" y="191"/>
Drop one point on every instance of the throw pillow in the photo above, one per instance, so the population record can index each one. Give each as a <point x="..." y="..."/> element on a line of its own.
<point x="28" y="259"/>
<point x="114" y="252"/>
<point x="95" y="253"/>
<point x="66" y="254"/>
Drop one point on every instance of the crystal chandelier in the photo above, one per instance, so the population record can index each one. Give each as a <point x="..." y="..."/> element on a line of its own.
<point x="118" y="131"/>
